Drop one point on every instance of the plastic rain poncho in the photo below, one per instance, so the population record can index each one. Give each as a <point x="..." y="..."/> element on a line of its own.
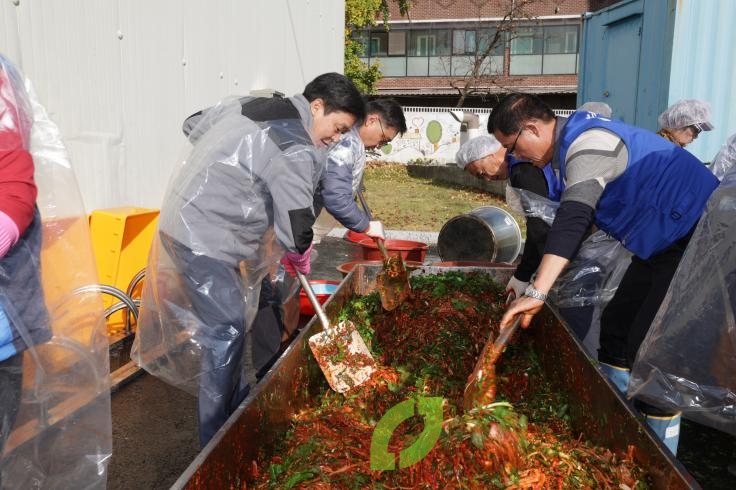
<point x="725" y="159"/>
<point x="687" y="361"/>
<point x="62" y="437"/>
<point x="226" y="220"/>
<point x="591" y="278"/>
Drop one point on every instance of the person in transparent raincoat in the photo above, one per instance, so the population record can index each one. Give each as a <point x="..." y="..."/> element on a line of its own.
<point x="241" y="203"/>
<point x="23" y="317"/>
<point x="55" y="426"/>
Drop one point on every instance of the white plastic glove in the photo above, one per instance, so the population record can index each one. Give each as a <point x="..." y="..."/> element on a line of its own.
<point x="516" y="286"/>
<point x="375" y="230"/>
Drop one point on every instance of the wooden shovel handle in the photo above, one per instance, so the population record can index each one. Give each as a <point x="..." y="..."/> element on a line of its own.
<point x="382" y="247"/>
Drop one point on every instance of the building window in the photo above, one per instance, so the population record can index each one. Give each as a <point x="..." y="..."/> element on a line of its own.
<point x="463" y="42"/>
<point x="560" y="50"/>
<point x="550" y="50"/>
<point x="362" y="38"/>
<point x="425" y="42"/>
<point x="533" y="50"/>
<point x="379" y="44"/>
<point x="397" y="43"/>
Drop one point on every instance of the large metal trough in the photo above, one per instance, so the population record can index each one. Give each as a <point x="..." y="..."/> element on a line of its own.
<point x="596" y="408"/>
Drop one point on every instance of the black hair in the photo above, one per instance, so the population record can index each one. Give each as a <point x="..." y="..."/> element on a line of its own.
<point x="514" y="110"/>
<point x="338" y="94"/>
<point x="389" y="110"/>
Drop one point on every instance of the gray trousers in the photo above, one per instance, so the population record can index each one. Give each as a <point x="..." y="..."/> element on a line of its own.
<point x="217" y="296"/>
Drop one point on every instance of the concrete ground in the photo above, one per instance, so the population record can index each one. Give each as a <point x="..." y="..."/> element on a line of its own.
<point x="154" y="425"/>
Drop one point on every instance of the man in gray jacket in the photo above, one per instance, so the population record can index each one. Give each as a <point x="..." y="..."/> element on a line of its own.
<point x="241" y="203"/>
<point x="346" y="164"/>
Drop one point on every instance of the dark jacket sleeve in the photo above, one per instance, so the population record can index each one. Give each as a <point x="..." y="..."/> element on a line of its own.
<point x="528" y="177"/>
<point x="571" y="226"/>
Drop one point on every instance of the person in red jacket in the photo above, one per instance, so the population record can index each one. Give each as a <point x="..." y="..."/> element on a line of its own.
<point x="23" y="317"/>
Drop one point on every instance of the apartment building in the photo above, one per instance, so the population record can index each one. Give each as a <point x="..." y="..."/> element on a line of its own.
<point x="425" y="56"/>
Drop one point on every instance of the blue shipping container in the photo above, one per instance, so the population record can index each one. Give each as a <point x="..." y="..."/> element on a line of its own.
<point x="640" y="56"/>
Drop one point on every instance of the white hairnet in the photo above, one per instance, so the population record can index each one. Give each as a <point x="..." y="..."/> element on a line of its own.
<point x="725" y="159"/>
<point x="475" y="149"/>
<point x="685" y="113"/>
<point x="600" y="108"/>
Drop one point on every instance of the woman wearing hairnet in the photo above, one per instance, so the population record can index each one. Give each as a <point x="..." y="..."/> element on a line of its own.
<point x="241" y="203"/>
<point x="683" y="121"/>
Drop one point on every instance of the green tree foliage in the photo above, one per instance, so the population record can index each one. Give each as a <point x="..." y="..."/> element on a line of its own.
<point x="359" y="14"/>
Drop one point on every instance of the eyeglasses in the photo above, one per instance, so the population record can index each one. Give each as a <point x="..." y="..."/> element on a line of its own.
<point x="513" y="147"/>
<point x="385" y="140"/>
<point x="697" y="129"/>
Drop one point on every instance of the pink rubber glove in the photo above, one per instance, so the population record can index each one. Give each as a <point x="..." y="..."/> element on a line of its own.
<point x="9" y="233"/>
<point x="294" y="261"/>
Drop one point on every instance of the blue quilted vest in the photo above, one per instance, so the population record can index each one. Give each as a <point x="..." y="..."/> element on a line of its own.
<point x="659" y="197"/>
<point x="554" y="187"/>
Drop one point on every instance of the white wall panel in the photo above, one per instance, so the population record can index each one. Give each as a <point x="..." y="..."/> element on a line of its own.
<point x="119" y="76"/>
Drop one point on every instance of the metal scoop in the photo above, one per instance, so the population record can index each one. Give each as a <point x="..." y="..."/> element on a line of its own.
<point x="393" y="281"/>
<point x="340" y="351"/>
<point x="481" y="387"/>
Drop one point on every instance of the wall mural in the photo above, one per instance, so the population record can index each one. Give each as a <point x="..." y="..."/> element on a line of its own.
<point x="431" y="137"/>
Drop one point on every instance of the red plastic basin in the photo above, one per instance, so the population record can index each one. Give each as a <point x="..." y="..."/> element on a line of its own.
<point x="346" y="267"/>
<point x="472" y="263"/>
<point x="355" y="237"/>
<point x="409" y="250"/>
<point x="323" y="289"/>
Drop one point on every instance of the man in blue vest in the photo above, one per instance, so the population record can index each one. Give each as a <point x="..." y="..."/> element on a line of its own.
<point x="538" y="192"/>
<point x="640" y="189"/>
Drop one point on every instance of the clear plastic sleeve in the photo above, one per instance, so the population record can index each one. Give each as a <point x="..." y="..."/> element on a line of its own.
<point x="688" y="358"/>
<point x="725" y="158"/>
<point x="531" y="205"/>
<point x="587" y="285"/>
<point x="62" y="436"/>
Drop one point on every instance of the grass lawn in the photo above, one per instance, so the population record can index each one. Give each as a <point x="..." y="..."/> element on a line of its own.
<point x="402" y="202"/>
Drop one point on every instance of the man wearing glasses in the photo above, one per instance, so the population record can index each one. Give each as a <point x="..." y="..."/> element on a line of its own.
<point x="684" y="120"/>
<point x="345" y="165"/>
<point x="611" y="175"/>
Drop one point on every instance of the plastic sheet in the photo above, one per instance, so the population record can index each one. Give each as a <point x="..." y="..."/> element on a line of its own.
<point x="688" y="358"/>
<point x="223" y="228"/>
<point x="587" y="285"/>
<point x="725" y="159"/>
<point x="62" y="436"/>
